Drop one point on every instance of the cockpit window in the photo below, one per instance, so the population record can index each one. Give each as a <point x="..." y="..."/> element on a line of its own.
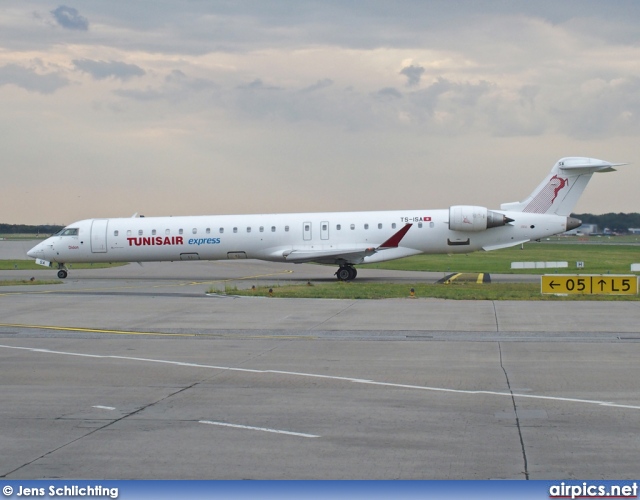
<point x="70" y="231"/>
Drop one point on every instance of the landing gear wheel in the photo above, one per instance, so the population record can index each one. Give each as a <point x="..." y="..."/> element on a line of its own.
<point x="343" y="274"/>
<point x="62" y="274"/>
<point x="346" y="273"/>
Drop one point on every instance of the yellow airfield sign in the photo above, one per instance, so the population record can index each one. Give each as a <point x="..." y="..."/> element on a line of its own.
<point x="603" y="284"/>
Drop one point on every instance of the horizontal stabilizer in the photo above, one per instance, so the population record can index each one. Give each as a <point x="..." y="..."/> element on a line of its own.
<point x="589" y="164"/>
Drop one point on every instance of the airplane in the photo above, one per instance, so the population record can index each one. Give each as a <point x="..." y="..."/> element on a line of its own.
<point x="345" y="239"/>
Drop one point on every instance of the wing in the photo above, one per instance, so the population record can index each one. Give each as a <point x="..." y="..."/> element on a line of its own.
<point x="352" y="255"/>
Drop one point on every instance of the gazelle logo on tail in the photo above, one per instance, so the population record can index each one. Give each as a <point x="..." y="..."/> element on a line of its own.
<point x="543" y="201"/>
<point x="561" y="189"/>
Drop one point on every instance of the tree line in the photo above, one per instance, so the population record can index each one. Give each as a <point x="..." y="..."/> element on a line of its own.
<point x="42" y="229"/>
<point x="617" y="223"/>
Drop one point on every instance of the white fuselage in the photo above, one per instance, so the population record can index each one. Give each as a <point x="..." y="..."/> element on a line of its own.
<point x="331" y="237"/>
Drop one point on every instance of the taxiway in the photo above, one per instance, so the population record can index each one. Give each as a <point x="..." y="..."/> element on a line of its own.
<point x="134" y="372"/>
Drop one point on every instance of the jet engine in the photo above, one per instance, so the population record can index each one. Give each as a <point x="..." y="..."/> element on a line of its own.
<point x="470" y="218"/>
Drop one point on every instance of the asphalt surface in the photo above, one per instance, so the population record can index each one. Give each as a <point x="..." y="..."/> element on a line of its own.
<point x="136" y="373"/>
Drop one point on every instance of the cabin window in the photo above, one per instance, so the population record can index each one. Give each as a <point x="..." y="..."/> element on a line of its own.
<point x="167" y="231"/>
<point x="420" y="225"/>
<point x="431" y="224"/>
<point x="286" y="228"/>
<point x="379" y="226"/>
<point x="235" y="229"/>
<point x="128" y="232"/>
<point x="393" y="225"/>
<point x="208" y="230"/>
<point x="139" y="232"/>
<point x="262" y="229"/>
<point x="338" y="227"/>
<point x="115" y="233"/>
<point x="221" y="230"/>
<point x="353" y="226"/>
<point x="194" y="231"/>
<point x="153" y="232"/>
<point x="248" y="230"/>
<point x="273" y="229"/>
<point x="180" y="231"/>
<point x="366" y="226"/>
<point x="325" y="227"/>
<point x="307" y="227"/>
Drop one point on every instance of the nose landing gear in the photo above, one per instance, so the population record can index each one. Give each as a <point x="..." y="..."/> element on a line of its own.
<point x="62" y="271"/>
<point x="346" y="273"/>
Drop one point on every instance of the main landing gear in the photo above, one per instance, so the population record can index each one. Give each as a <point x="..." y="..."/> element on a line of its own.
<point x="346" y="273"/>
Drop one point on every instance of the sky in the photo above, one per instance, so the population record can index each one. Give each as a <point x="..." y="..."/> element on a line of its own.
<point x="205" y="107"/>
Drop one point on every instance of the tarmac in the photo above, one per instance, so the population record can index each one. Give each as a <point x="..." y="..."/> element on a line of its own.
<point x="137" y="373"/>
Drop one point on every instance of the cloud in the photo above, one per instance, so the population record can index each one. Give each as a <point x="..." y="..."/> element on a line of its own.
<point x="177" y="86"/>
<point x="388" y="93"/>
<point x="28" y="79"/>
<point x="257" y="84"/>
<point x="179" y="80"/>
<point x="101" y="70"/>
<point x="600" y="108"/>
<point x="69" y="18"/>
<point x="413" y="74"/>
<point x="147" y="94"/>
<point x="320" y="84"/>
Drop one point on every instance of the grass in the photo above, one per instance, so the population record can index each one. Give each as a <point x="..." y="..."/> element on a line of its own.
<point x="455" y="291"/>
<point x="21" y="265"/>
<point x="29" y="282"/>
<point x="597" y="258"/>
<point x="598" y="255"/>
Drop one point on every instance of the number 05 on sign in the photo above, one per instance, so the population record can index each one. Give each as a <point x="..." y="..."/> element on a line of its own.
<point x="602" y="284"/>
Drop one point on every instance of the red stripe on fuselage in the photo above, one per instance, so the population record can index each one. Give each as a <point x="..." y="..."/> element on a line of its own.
<point x="396" y="238"/>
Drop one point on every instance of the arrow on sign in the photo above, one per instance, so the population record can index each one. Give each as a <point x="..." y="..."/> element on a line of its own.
<point x="602" y="283"/>
<point x="553" y="284"/>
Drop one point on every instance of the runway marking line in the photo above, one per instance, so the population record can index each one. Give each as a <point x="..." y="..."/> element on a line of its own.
<point x="104" y="407"/>
<point x="334" y="377"/>
<point x="263" y="429"/>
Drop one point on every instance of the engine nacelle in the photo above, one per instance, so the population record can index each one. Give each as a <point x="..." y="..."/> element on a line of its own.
<point x="470" y="218"/>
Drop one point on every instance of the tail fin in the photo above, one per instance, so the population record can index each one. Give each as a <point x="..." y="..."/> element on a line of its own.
<point x="559" y="192"/>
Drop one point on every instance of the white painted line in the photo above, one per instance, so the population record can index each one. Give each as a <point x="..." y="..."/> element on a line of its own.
<point x="263" y="429"/>
<point x="104" y="407"/>
<point x="332" y="377"/>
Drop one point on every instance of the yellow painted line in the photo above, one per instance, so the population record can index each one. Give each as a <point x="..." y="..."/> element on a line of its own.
<point x="480" y="278"/>
<point x="455" y="277"/>
<point x="94" y="330"/>
<point x="128" y="332"/>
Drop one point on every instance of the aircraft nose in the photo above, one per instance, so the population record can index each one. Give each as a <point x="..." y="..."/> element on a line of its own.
<point x="36" y="252"/>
